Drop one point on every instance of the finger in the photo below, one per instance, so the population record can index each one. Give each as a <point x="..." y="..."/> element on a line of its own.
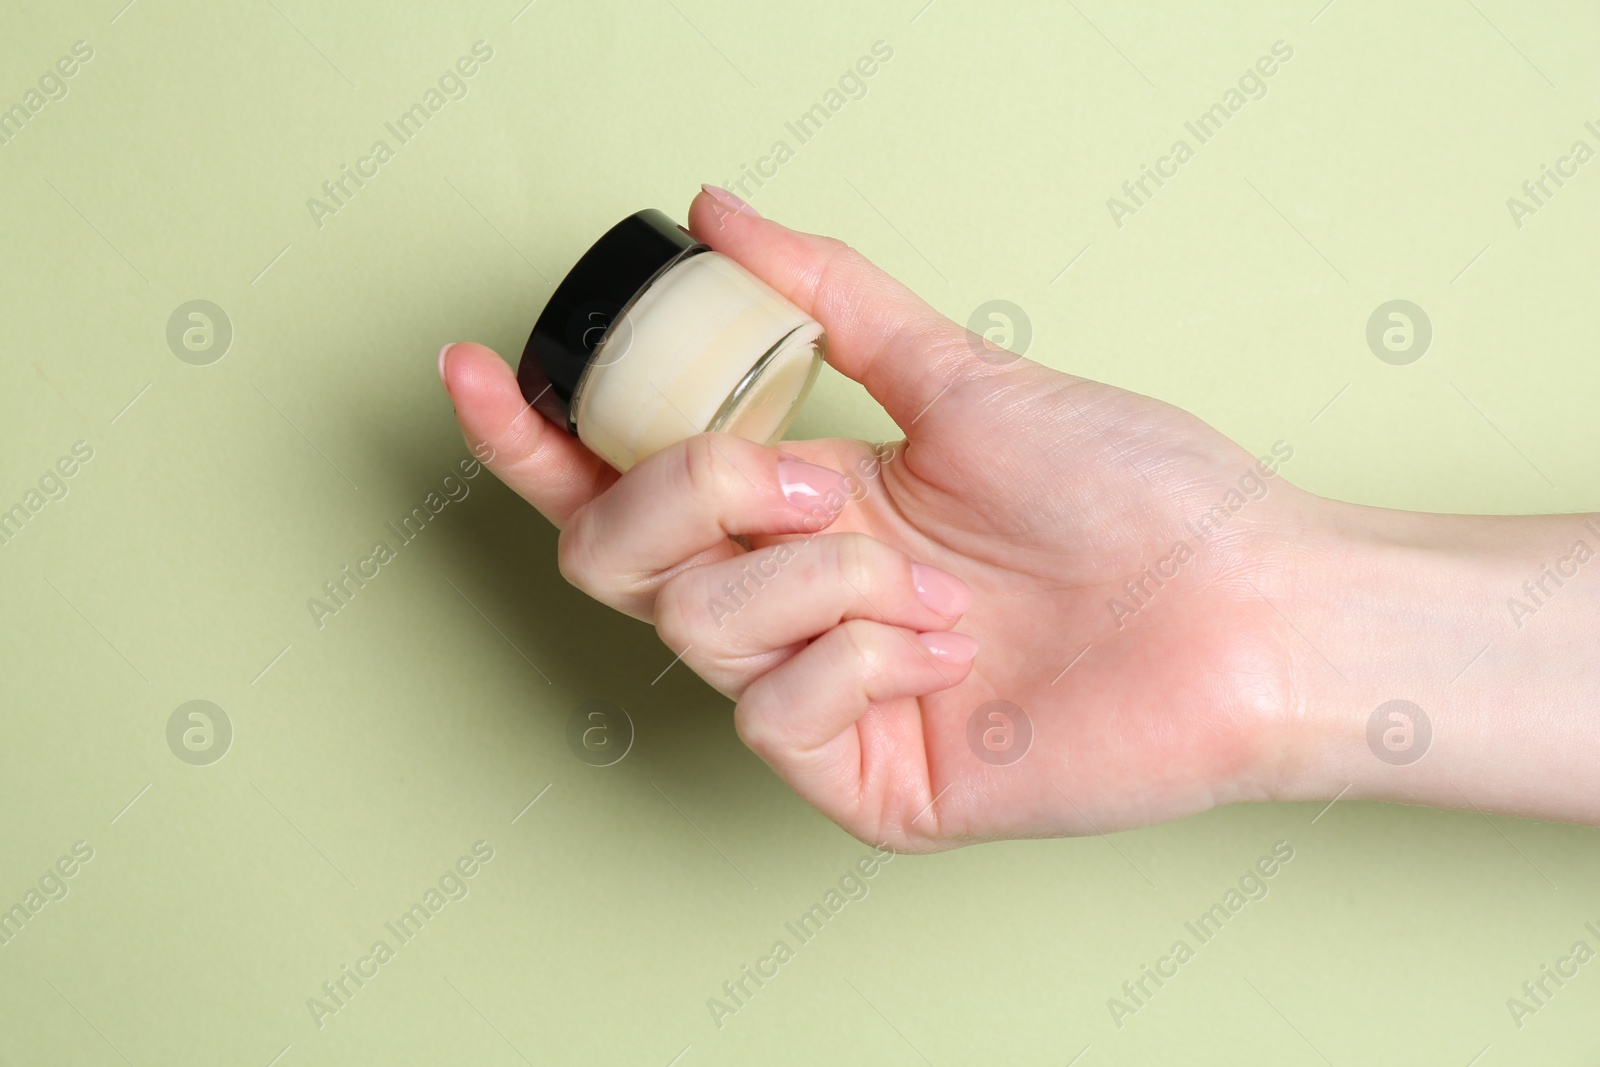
<point x="879" y="332"/>
<point x="678" y="508"/>
<point x="743" y="616"/>
<point x="799" y="716"/>
<point x="541" y="462"/>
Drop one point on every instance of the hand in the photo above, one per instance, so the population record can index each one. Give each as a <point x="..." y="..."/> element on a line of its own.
<point x="1107" y="563"/>
<point x="1035" y="495"/>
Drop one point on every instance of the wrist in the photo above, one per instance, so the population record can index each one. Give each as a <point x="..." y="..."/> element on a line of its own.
<point x="1416" y="678"/>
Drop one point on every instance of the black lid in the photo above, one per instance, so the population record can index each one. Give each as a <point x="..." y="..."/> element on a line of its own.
<point x="581" y="310"/>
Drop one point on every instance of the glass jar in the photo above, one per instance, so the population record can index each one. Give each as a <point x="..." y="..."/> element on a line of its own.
<point x="653" y="338"/>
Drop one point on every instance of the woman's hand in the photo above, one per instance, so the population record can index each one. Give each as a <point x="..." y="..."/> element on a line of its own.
<point x="1107" y="564"/>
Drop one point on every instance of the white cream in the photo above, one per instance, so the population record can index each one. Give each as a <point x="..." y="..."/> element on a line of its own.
<point x="670" y="364"/>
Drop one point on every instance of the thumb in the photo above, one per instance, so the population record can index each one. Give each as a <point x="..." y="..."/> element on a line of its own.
<point x="880" y="333"/>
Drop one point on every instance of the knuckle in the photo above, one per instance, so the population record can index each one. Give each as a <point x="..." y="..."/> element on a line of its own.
<point x="862" y="834"/>
<point x="517" y="443"/>
<point x="677" y="621"/>
<point x="838" y="254"/>
<point x="837" y="260"/>
<point x="860" y="644"/>
<point x="573" y="554"/>
<point x="706" y="473"/>
<point x="856" y="561"/>
<point x="754" y="726"/>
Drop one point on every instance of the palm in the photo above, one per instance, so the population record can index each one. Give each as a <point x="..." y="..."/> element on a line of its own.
<point x="1046" y="523"/>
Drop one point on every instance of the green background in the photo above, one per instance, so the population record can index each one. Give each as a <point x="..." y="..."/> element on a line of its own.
<point x="370" y="754"/>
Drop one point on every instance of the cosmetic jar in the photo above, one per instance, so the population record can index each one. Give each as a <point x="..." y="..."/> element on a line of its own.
<point x="652" y="338"/>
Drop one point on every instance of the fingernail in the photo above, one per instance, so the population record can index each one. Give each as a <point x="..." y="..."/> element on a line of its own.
<point x="729" y="201"/>
<point x="941" y="590"/>
<point x="810" y="487"/>
<point x="952" y="648"/>
<point x="442" y="353"/>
